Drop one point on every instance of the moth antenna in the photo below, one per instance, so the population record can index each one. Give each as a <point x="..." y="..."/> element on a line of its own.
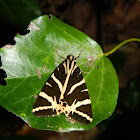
<point x="63" y="51"/>
<point x="75" y="50"/>
<point x="61" y="56"/>
<point x="78" y="55"/>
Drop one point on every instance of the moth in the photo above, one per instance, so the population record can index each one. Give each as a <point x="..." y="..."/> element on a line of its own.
<point x="66" y="92"/>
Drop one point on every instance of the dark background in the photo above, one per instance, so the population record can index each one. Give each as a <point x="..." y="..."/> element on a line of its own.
<point x="108" y="22"/>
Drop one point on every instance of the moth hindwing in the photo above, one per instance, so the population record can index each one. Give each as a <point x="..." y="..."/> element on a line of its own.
<point x="65" y="92"/>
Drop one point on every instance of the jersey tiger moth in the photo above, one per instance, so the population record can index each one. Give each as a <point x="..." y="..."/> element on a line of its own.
<point x="66" y="92"/>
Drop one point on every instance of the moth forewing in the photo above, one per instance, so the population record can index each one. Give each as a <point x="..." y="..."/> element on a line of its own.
<point x="65" y="92"/>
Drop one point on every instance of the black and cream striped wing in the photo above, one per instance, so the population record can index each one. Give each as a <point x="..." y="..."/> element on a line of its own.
<point x="47" y="103"/>
<point x="76" y="97"/>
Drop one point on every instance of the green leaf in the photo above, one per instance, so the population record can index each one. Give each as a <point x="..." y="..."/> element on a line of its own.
<point x="39" y="52"/>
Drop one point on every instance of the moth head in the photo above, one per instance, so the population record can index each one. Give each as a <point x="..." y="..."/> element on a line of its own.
<point x="70" y="57"/>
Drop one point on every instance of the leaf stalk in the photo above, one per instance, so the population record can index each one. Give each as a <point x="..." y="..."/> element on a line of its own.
<point x="121" y="44"/>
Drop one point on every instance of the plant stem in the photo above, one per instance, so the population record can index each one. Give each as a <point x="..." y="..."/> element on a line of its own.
<point x="121" y="44"/>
